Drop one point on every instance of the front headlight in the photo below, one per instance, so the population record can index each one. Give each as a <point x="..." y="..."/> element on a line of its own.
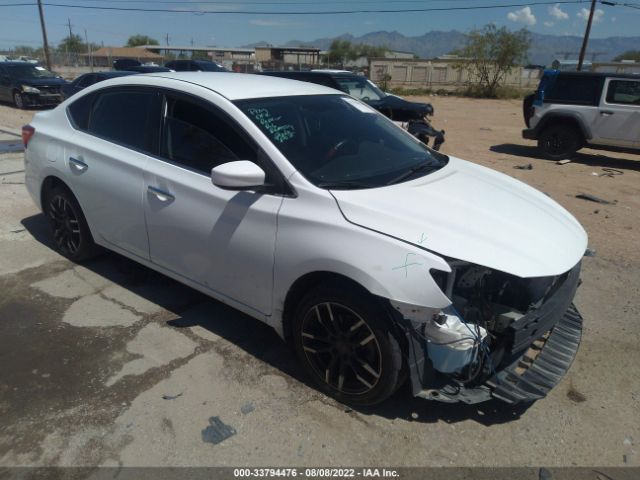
<point x="28" y="89"/>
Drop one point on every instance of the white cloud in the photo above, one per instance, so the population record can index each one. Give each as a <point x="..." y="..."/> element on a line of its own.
<point x="557" y="12"/>
<point x="548" y="24"/>
<point x="584" y="15"/>
<point x="524" y="15"/>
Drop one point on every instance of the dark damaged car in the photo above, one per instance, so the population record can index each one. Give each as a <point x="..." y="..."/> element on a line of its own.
<point x="28" y="85"/>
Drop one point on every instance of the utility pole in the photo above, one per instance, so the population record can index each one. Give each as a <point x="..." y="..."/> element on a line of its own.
<point x="585" y="41"/>
<point x="86" y="39"/>
<point x="44" y="36"/>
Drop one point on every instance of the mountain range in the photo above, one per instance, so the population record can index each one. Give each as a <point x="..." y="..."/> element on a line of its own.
<point x="544" y="48"/>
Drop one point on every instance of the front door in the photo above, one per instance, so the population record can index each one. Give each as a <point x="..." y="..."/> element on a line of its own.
<point x="618" y="122"/>
<point x="223" y="240"/>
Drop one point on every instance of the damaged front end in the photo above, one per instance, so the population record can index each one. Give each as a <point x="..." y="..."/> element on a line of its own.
<point x="502" y="337"/>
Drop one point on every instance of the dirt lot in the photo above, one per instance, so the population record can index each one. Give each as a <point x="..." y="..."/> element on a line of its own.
<point x="111" y="364"/>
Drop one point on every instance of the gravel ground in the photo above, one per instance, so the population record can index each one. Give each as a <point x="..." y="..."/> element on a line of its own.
<point x="111" y="364"/>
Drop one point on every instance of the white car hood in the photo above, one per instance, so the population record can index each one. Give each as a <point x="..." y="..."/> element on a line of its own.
<point x="472" y="213"/>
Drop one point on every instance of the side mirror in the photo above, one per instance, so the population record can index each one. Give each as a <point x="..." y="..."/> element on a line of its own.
<point x="238" y="175"/>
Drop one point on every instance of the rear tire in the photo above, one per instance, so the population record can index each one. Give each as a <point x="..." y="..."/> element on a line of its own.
<point x="71" y="234"/>
<point x="558" y="142"/>
<point x="346" y="344"/>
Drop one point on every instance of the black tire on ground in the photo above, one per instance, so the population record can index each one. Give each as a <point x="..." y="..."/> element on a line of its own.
<point x="18" y="100"/>
<point x="71" y="235"/>
<point x="557" y="142"/>
<point x="346" y="344"/>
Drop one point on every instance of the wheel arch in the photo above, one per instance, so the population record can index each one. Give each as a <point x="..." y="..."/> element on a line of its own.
<point x="303" y="285"/>
<point x="50" y="182"/>
<point x="565" y="118"/>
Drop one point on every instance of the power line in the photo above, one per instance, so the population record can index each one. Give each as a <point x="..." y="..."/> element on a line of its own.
<point x="321" y="12"/>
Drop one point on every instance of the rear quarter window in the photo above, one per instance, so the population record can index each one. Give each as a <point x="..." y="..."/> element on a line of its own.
<point x="80" y="110"/>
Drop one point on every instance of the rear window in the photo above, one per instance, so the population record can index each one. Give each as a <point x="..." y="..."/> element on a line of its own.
<point x="129" y="118"/>
<point x="575" y="89"/>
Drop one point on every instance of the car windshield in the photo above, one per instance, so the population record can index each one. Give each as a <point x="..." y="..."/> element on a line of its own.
<point x="360" y="88"/>
<point x="30" y="71"/>
<point x="338" y="142"/>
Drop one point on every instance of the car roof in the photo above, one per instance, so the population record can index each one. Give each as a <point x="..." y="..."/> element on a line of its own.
<point x="235" y="86"/>
<point x="635" y="76"/>
<point x="16" y="63"/>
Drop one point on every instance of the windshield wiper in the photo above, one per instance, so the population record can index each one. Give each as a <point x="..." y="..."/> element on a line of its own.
<point x="409" y="173"/>
<point x="343" y="185"/>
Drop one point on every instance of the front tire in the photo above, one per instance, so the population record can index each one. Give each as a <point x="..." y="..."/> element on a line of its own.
<point x="344" y="340"/>
<point x="71" y="234"/>
<point x="18" y="100"/>
<point x="558" y="142"/>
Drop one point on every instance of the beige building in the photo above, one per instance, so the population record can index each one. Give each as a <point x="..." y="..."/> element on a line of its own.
<point x="445" y="73"/>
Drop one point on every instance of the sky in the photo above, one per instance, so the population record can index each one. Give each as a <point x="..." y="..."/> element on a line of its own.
<point x="19" y="25"/>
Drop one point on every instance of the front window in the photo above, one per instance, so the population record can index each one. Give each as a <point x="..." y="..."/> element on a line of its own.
<point x="338" y="142"/>
<point x="30" y="71"/>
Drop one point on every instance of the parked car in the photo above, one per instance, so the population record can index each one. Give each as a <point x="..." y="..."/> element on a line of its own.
<point x="87" y="79"/>
<point x="376" y="257"/>
<point x="413" y="116"/>
<point x="571" y="110"/>
<point x="29" y="85"/>
<point x="131" y="65"/>
<point x="195" y="66"/>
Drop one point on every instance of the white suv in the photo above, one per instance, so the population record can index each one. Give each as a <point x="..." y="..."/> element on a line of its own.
<point x="571" y="110"/>
<point x="376" y="257"/>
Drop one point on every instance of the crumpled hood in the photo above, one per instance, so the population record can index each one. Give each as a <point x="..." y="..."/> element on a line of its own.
<point x="472" y="213"/>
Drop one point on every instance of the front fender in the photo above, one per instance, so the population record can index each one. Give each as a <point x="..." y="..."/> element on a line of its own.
<point x="385" y="266"/>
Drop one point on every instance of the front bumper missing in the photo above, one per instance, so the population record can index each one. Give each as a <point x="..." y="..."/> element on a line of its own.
<point x="541" y="349"/>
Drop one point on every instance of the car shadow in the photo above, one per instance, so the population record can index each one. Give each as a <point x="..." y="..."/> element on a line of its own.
<point x="591" y="159"/>
<point x="259" y="340"/>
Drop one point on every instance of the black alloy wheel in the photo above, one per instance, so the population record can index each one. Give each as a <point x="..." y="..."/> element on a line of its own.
<point x="71" y="234"/>
<point x="558" y="142"/>
<point x="347" y="344"/>
<point x="341" y="348"/>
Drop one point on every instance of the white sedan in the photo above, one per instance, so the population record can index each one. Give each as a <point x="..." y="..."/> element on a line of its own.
<point x="378" y="259"/>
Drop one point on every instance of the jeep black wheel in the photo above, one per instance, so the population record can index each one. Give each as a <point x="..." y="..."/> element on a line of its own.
<point x="346" y="345"/>
<point x="71" y="234"/>
<point x="558" y="142"/>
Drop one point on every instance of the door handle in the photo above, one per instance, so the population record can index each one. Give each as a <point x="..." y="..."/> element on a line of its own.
<point x="606" y="113"/>
<point x="160" y="194"/>
<point x="78" y="164"/>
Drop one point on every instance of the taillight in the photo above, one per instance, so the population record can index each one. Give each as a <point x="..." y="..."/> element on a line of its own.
<point x="27" y="133"/>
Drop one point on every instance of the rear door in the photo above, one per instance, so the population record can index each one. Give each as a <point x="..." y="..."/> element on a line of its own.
<point x="108" y="157"/>
<point x="224" y="240"/>
<point x="618" y="122"/>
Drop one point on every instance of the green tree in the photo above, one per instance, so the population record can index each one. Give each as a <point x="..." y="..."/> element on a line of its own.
<point x="492" y="52"/>
<point x="72" y="44"/>
<point x="628" y="55"/>
<point x="138" y="40"/>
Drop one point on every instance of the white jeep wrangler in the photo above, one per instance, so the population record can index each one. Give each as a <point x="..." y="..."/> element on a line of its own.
<point x="571" y="110"/>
